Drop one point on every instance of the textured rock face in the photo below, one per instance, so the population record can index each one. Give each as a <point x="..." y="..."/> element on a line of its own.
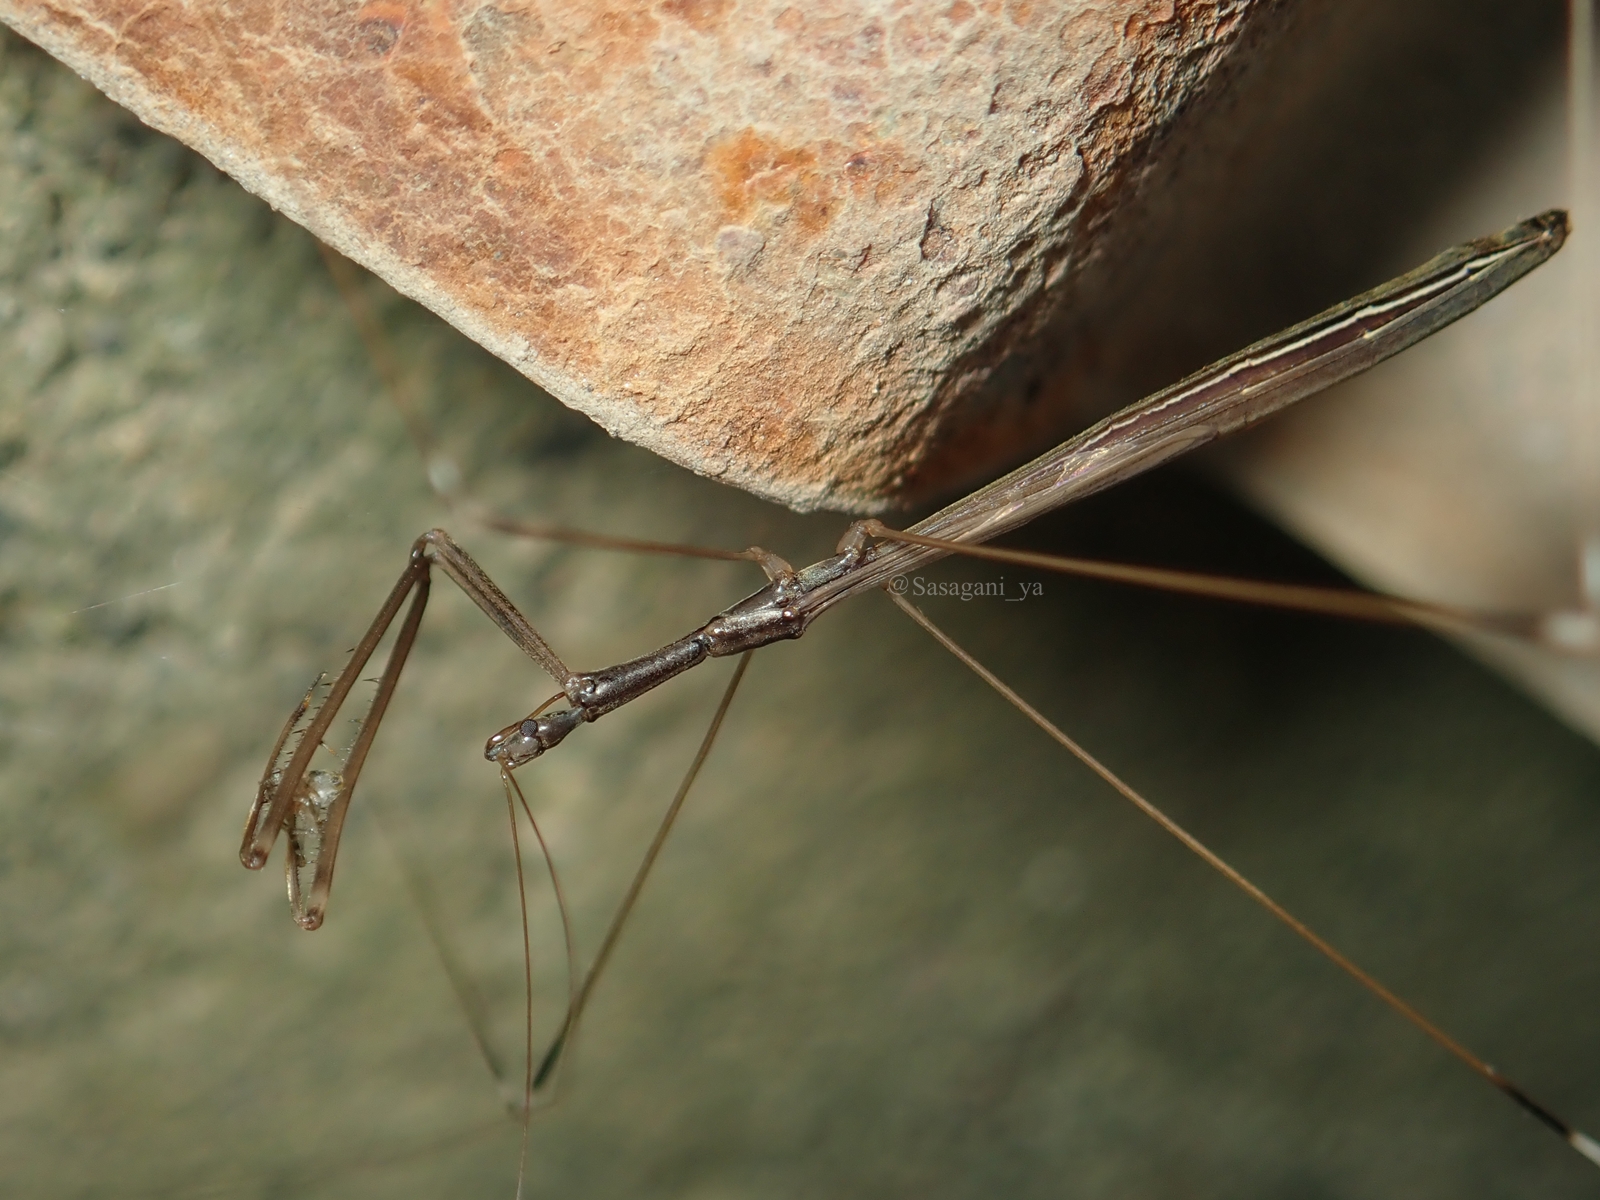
<point x="897" y="945"/>
<point x="787" y="246"/>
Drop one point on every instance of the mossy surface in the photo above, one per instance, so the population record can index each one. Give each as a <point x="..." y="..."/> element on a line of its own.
<point x="900" y="943"/>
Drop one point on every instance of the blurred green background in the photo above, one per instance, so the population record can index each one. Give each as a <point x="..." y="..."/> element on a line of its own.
<point x="900" y="944"/>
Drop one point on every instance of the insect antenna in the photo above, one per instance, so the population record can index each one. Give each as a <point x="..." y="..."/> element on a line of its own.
<point x="1578" y="1140"/>
<point x="553" y="1055"/>
<point x="526" y="1105"/>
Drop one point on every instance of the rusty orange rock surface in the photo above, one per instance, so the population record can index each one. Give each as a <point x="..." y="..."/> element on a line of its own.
<point x="791" y="246"/>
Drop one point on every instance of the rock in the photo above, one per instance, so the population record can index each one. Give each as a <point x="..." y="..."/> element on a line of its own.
<point x="899" y="944"/>
<point x="821" y="252"/>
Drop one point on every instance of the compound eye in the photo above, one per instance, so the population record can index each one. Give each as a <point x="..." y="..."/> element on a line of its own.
<point x="531" y="737"/>
<point x="514" y="745"/>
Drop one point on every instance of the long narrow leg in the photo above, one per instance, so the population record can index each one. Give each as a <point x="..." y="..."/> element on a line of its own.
<point x="439" y="546"/>
<point x="311" y="805"/>
<point x="474" y="1006"/>
<point x="1350" y="603"/>
<point x="569" y="1027"/>
<point x="283" y="783"/>
<point x="1578" y="1140"/>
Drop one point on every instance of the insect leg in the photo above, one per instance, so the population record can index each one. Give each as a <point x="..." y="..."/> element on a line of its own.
<point x="1577" y="1139"/>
